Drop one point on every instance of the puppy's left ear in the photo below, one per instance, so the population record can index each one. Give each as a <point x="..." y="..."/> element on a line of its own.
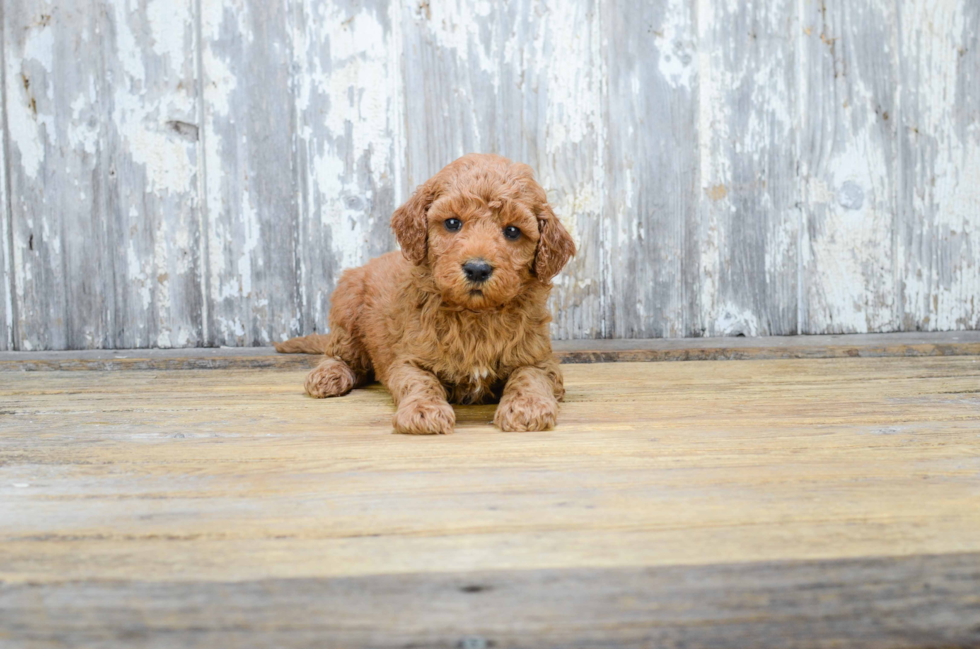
<point x="555" y="245"/>
<point x="410" y="222"/>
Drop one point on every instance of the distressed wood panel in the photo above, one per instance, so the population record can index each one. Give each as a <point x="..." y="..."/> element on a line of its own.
<point x="253" y="189"/>
<point x="151" y="168"/>
<point x="725" y="168"/>
<point x="849" y="166"/>
<point x="103" y="173"/>
<point x="347" y="110"/>
<point x="482" y="77"/>
<point x="956" y="343"/>
<point x="938" y="229"/>
<point x="56" y="129"/>
<point x="906" y="602"/>
<point x="750" y="215"/>
<point x="831" y="501"/>
<point x="243" y="476"/>
<point x="652" y="170"/>
<point x="560" y="112"/>
<point x="6" y="268"/>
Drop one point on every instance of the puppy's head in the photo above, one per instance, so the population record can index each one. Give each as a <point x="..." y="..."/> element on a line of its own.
<point x="483" y="228"/>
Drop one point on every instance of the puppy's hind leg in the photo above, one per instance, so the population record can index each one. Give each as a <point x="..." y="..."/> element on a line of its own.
<point x="345" y="366"/>
<point x="331" y="378"/>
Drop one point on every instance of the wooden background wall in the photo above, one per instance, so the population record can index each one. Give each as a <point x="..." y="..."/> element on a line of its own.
<point x="199" y="172"/>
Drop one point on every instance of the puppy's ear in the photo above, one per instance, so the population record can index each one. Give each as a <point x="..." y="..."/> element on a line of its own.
<point x="555" y="245"/>
<point x="411" y="225"/>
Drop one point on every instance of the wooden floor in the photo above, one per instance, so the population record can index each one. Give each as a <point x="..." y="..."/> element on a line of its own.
<point x="769" y="503"/>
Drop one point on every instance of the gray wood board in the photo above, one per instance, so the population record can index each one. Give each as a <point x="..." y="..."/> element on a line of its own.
<point x="6" y="260"/>
<point x="936" y="238"/>
<point x="252" y="178"/>
<point x="102" y="162"/>
<point x="346" y="156"/>
<point x="883" y="602"/>
<point x="652" y="284"/>
<point x="200" y="172"/>
<point x="849" y="166"/>
<point x="568" y="351"/>
<point x="750" y="199"/>
<point x="63" y="280"/>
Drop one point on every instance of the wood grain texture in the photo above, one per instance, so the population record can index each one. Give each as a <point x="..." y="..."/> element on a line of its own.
<point x="849" y="166"/>
<point x="939" y="195"/>
<point x="250" y="138"/>
<point x="56" y="128"/>
<point x="346" y="111"/>
<point x="103" y="166"/>
<point x="6" y="258"/>
<point x="200" y="172"/>
<point x="820" y="501"/>
<point x="906" y="602"/>
<point x="750" y="194"/>
<point x="966" y="343"/>
<point x="151" y="169"/>
<point x="652" y="166"/>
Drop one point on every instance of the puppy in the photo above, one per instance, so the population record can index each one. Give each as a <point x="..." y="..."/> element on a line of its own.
<point x="460" y="315"/>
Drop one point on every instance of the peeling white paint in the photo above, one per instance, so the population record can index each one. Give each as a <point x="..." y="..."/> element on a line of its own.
<point x="83" y="129"/>
<point x="170" y="31"/>
<point x="530" y="81"/>
<point x="138" y="275"/>
<point x="574" y="105"/>
<point x="355" y="126"/>
<point x="451" y="24"/>
<point x="675" y="43"/>
<point x="29" y="124"/>
<point x="942" y="285"/>
<point x="730" y="320"/>
<point x="251" y="232"/>
<point x="745" y="140"/>
<point x="6" y="269"/>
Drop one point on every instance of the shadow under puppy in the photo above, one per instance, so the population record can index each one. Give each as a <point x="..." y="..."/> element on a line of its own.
<point x="460" y="315"/>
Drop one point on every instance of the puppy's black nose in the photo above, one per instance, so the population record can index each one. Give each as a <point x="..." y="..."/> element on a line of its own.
<point x="477" y="270"/>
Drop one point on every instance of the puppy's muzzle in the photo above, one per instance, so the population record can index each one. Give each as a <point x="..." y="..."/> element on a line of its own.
<point x="477" y="270"/>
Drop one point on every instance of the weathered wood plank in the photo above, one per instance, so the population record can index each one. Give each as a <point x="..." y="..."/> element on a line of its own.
<point x="6" y="259"/>
<point x="939" y="195"/>
<point x="663" y="132"/>
<point x="56" y="127"/>
<point x="233" y="475"/>
<point x="916" y="601"/>
<point x="346" y="103"/>
<point x="553" y="115"/>
<point x="151" y="165"/>
<point x="103" y="171"/>
<point x="652" y="168"/>
<point x="782" y="501"/>
<point x="750" y="195"/>
<point x="849" y="166"/>
<point x="482" y="77"/>
<point x="253" y="188"/>
<point x="965" y="343"/>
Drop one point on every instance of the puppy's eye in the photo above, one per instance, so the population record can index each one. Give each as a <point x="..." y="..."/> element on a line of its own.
<point x="453" y="225"/>
<point x="512" y="232"/>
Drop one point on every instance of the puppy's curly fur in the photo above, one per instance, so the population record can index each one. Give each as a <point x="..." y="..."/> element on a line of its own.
<point x="434" y="335"/>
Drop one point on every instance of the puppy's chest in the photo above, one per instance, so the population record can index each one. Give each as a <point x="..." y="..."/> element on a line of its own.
<point x="473" y="370"/>
<point x="481" y="386"/>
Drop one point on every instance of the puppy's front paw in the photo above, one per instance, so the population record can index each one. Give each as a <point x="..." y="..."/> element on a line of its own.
<point x="526" y="412"/>
<point x="331" y="378"/>
<point x="424" y="418"/>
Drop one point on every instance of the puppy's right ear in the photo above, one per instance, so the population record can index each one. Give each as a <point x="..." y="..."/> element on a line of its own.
<point x="411" y="224"/>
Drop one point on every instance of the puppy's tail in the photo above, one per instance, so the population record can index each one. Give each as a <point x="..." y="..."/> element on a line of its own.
<point x="312" y="344"/>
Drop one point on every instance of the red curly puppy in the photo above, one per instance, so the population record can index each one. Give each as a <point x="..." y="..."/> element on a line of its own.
<point x="460" y="315"/>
